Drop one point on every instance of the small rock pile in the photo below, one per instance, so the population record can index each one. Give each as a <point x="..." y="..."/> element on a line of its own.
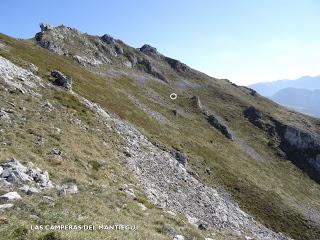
<point x="13" y="172"/>
<point x="28" y="180"/>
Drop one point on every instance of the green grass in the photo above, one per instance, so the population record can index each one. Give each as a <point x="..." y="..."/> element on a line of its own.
<point x="270" y="190"/>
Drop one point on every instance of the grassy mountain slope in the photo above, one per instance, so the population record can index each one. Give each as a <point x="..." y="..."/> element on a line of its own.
<point x="270" y="187"/>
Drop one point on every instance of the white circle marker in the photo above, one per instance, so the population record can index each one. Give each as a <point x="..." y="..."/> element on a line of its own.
<point x="173" y="96"/>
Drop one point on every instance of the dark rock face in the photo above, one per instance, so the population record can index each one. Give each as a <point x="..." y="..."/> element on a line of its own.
<point x="148" y="49"/>
<point x="253" y="115"/>
<point x="298" y="146"/>
<point x="251" y="91"/>
<point x="177" y="65"/>
<point x="108" y="39"/>
<point x="179" y="156"/>
<point x="113" y="42"/>
<point x="146" y="66"/>
<point x="302" y="149"/>
<point x="62" y="80"/>
<point x="45" y="27"/>
<point x="213" y="121"/>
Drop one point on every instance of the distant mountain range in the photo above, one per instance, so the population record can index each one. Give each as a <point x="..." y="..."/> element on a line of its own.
<point x="302" y="94"/>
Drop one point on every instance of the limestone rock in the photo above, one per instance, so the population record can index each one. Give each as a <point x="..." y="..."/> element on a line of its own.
<point x="10" y="197"/>
<point x="129" y="191"/>
<point x="29" y="190"/>
<point x="45" y="27"/>
<point x="19" y="79"/>
<point x="178" y="237"/>
<point x="66" y="189"/>
<point x="16" y="173"/>
<point x="56" y="151"/>
<point x="5" y="206"/>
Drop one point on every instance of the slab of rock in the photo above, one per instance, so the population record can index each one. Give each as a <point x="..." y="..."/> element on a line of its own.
<point x="16" y="173"/>
<point x="5" y="206"/>
<point x="179" y="156"/>
<point x="148" y="49"/>
<point x="214" y="121"/>
<point x="177" y="65"/>
<point x="178" y="237"/>
<point x="10" y="197"/>
<point x="29" y="190"/>
<point x="67" y="189"/>
<point x="127" y="190"/>
<point x="56" y="151"/>
<point x="62" y="80"/>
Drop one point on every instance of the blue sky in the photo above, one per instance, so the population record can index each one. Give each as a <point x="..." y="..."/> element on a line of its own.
<point x="245" y="41"/>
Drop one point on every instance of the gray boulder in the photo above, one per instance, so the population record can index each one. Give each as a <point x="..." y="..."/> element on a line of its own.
<point x="5" y="206"/>
<point x="67" y="189"/>
<point x="10" y="197"/>
<point x="148" y="49"/>
<point x="178" y="237"/>
<point x="62" y="80"/>
<point x="56" y="151"/>
<point x="16" y="173"/>
<point x="29" y="190"/>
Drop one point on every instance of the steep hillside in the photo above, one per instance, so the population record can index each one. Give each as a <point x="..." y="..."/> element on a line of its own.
<point x="218" y="162"/>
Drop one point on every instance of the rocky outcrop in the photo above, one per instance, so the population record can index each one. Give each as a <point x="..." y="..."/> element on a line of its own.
<point x="5" y="206"/>
<point x="61" y="80"/>
<point x="177" y="65"/>
<point x="18" y="79"/>
<point x="93" y="51"/>
<point x="214" y="121"/>
<point x="28" y="180"/>
<point x="66" y="189"/>
<point x="299" y="146"/>
<point x="108" y="39"/>
<point x="10" y="197"/>
<point x="16" y="173"/>
<point x="302" y="148"/>
<point x="146" y="66"/>
<point x="148" y="49"/>
<point x="45" y="27"/>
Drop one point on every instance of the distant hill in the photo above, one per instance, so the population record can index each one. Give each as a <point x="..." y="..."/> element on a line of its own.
<point x="268" y="89"/>
<point x="303" y="100"/>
